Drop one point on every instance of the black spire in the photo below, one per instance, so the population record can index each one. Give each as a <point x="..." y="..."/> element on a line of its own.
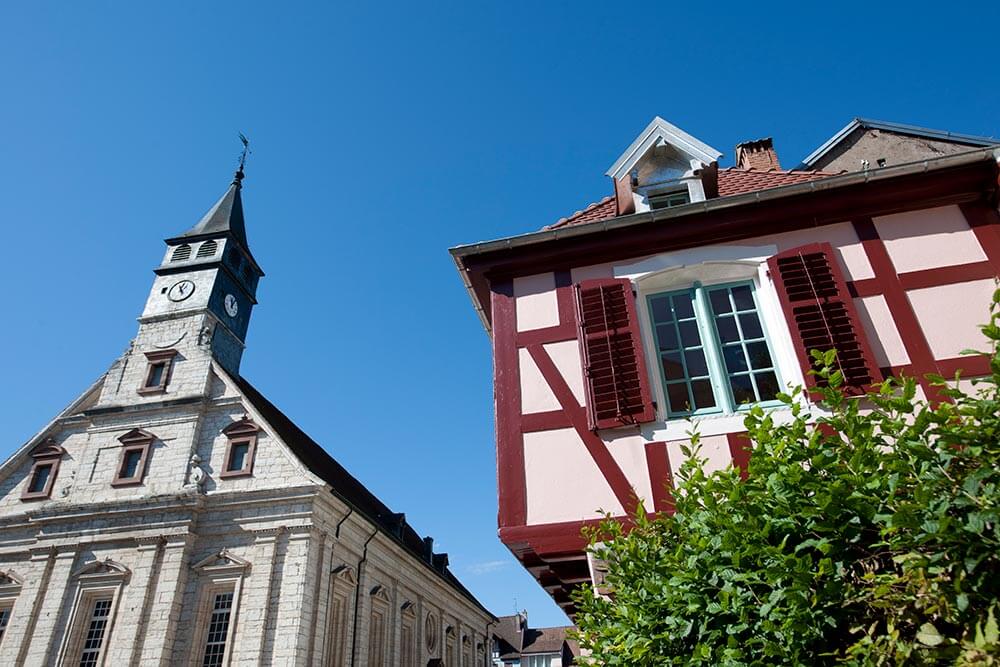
<point x="225" y="218"/>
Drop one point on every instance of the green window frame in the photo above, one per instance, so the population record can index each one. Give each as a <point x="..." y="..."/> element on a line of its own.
<point x="714" y="354"/>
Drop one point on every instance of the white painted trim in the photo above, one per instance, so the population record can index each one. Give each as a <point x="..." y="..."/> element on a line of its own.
<point x="660" y="130"/>
<point x="678" y="270"/>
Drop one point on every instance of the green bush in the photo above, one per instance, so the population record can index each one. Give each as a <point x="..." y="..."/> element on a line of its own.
<point x="871" y="541"/>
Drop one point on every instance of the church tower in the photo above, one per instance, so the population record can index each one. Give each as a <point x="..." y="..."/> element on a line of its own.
<point x="198" y="309"/>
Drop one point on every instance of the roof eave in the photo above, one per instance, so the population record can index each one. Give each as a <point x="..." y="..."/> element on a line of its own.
<point x="463" y="252"/>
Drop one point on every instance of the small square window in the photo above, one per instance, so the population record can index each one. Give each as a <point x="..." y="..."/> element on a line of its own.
<point x="669" y="199"/>
<point x="158" y="370"/>
<point x="240" y="448"/>
<point x="239" y="457"/>
<point x="43" y="472"/>
<point x="40" y="475"/>
<point x="132" y="460"/>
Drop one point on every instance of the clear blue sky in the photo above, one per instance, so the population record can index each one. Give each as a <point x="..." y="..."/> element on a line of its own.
<point x="383" y="134"/>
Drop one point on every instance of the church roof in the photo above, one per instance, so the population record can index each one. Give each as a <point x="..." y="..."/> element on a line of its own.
<point x="225" y="218"/>
<point x="345" y="485"/>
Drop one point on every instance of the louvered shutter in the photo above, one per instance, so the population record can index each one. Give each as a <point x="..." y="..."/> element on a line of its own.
<point x="821" y="313"/>
<point x="611" y="347"/>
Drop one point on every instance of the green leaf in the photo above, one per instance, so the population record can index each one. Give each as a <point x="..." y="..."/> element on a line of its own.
<point x="929" y="635"/>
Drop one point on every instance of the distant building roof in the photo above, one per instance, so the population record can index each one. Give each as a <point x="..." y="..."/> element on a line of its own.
<point x="899" y="128"/>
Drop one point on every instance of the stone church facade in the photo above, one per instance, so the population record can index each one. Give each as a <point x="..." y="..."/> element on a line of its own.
<point x="172" y="515"/>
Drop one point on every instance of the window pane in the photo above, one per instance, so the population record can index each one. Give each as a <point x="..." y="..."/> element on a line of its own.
<point x="760" y="357"/>
<point x="704" y="397"/>
<point x="666" y="335"/>
<point x="661" y="309"/>
<point x="673" y="369"/>
<point x="4" y="620"/>
<point x="726" y="326"/>
<point x="742" y="389"/>
<point x="94" y="637"/>
<point x="218" y="629"/>
<point x="735" y="360"/>
<point x="130" y="464"/>
<point x="155" y="375"/>
<point x="40" y="478"/>
<point x="743" y="297"/>
<point x="767" y="385"/>
<point x="751" y="326"/>
<point x="238" y="456"/>
<point x="720" y="301"/>
<point x="677" y="394"/>
<point x="696" y="364"/>
<point x="683" y="306"/>
<point x="689" y="334"/>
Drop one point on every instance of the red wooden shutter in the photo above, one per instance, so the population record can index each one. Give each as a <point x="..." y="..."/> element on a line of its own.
<point x="611" y="346"/>
<point x="821" y="313"/>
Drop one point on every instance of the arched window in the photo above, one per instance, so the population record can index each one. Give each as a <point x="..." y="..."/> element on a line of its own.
<point x="207" y="249"/>
<point x="181" y="253"/>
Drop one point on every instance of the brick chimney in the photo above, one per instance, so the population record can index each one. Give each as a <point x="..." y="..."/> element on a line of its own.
<point x="757" y="154"/>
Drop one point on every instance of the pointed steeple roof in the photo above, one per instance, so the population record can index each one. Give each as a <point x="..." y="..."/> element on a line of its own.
<point x="225" y="217"/>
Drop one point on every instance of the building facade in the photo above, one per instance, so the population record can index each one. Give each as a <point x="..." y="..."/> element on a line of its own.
<point x="694" y="291"/>
<point x="172" y="515"/>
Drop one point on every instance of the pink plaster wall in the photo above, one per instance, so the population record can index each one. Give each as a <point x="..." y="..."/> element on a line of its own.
<point x="950" y="316"/>
<point x="929" y="238"/>
<point x="562" y="481"/>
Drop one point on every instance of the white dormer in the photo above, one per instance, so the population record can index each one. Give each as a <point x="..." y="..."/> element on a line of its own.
<point x="662" y="167"/>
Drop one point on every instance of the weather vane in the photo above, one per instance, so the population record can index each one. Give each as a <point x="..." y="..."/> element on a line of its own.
<point x="246" y="150"/>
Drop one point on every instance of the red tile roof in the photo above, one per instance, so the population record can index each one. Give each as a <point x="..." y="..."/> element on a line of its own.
<point x="732" y="181"/>
<point x="602" y="210"/>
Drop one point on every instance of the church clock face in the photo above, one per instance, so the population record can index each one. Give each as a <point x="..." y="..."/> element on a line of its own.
<point x="232" y="307"/>
<point x="181" y="290"/>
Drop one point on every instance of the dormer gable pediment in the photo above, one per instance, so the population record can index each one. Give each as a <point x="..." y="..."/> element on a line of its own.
<point x="245" y="426"/>
<point x="47" y="449"/>
<point x="663" y="142"/>
<point x="136" y="436"/>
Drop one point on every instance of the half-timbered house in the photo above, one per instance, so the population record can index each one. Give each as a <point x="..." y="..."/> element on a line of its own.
<point x="693" y="292"/>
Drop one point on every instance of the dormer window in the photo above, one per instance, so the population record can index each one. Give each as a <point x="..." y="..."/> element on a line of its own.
<point x="133" y="458"/>
<point x="669" y="199"/>
<point x="43" y="472"/>
<point x="207" y="249"/>
<point x="182" y="253"/>
<point x="240" y="449"/>
<point x="160" y="363"/>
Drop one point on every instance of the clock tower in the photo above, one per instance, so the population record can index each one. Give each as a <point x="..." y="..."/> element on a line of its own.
<point x="198" y="309"/>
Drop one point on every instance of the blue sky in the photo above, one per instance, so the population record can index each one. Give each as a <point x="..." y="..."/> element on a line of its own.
<point x="384" y="133"/>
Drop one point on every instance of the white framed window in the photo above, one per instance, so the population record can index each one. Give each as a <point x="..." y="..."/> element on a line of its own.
<point x="215" y="623"/>
<point x="712" y="349"/>
<point x="92" y="617"/>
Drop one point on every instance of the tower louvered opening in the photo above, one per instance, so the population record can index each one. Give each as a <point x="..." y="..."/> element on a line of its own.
<point x="181" y="253"/>
<point x="207" y="249"/>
